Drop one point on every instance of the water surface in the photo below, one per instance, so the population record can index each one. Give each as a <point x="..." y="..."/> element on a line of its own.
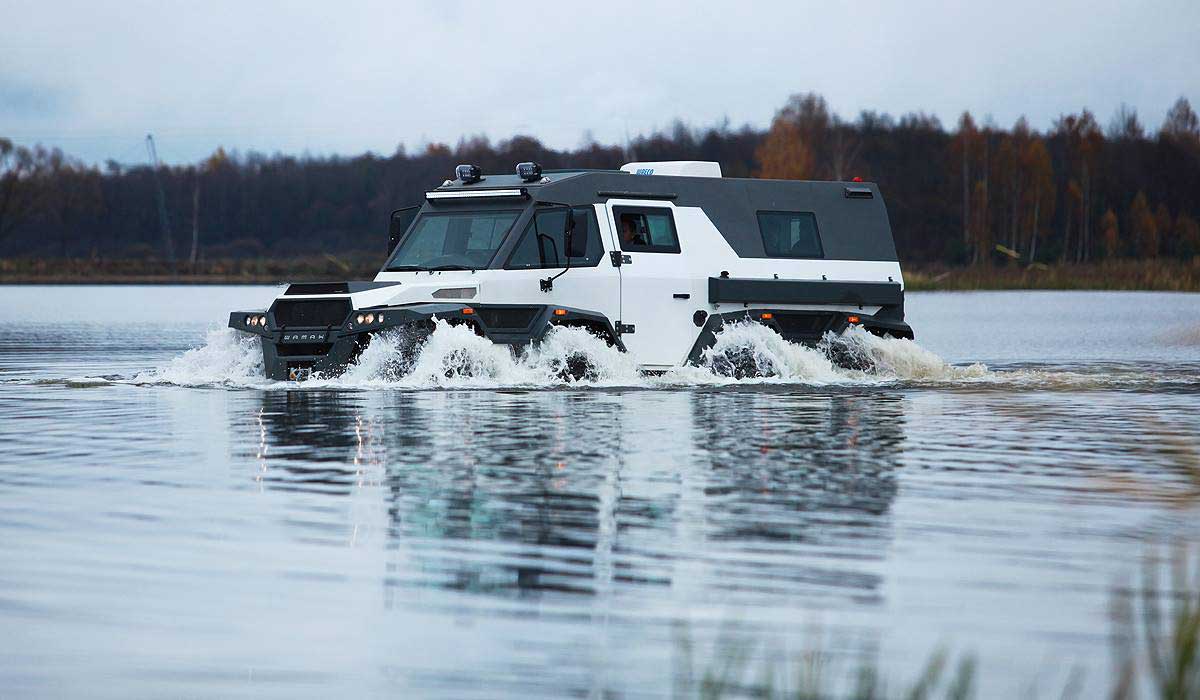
<point x="171" y="524"/>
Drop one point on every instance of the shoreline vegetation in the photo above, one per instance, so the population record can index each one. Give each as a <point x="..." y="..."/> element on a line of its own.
<point x="1116" y="275"/>
<point x="1077" y="204"/>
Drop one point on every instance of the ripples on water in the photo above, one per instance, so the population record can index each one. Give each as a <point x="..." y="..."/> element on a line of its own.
<point x="170" y="524"/>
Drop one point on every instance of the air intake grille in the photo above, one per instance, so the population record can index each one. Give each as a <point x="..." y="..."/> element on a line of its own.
<point x="318" y="288"/>
<point x="311" y="313"/>
<point x="517" y="319"/>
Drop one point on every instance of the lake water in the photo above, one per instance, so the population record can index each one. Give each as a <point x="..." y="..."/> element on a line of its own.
<point x="173" y="525"/>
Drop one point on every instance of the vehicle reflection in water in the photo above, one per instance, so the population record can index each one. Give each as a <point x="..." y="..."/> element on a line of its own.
<point x="533" y="494"/>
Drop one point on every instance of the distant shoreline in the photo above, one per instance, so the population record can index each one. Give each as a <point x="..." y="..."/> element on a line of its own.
<point x="1121" y="275"/>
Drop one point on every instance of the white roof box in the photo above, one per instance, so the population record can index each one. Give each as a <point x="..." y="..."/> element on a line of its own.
<point x="689" y="168"/>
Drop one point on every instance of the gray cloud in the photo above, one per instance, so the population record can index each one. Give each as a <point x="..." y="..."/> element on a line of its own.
<point x="355" y="76"/>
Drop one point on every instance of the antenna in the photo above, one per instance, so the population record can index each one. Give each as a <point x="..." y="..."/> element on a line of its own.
<point x="162" y="200"/>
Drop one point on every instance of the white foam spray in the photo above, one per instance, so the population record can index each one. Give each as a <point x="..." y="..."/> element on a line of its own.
<point x="454" y="356"/>
<point x="227" y="358"/>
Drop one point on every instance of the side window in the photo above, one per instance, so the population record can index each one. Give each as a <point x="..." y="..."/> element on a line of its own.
<point x="646" y="229"/>
<point x="790" y="234"/>
<point x="545" y="246"/>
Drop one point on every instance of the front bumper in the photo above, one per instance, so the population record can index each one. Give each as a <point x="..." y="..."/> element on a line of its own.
<point x="295" y="353"/>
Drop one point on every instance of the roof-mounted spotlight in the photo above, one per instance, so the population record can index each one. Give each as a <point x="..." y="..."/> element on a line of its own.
<point x="529" y="172"/>
<point x="468" y="173"/>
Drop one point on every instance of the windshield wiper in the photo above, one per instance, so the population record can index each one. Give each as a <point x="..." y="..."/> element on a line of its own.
<point x="422" y="268"/>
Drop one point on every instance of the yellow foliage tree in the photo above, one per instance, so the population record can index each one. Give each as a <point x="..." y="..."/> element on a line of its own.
<point x="1145" y="228"/>
<point x="784" y="154"/>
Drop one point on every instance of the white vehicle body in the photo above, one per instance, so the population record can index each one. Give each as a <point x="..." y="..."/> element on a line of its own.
<point x="661" y="306"/>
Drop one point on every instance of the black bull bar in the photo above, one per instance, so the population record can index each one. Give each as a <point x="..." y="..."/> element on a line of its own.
<point x="293" y="352"/>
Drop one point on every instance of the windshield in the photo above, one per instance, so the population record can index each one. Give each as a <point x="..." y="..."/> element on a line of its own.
<point x="453" y="241"/>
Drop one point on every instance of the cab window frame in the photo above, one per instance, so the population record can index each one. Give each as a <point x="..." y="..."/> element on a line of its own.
<point x="816" y="227"/>
<point x="589" y="213"/>
<point x="620" y="210"/>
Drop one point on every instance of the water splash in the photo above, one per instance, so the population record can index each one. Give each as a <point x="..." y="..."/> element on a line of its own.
<point x="227" y="358"/>
<point x="898" y="358"/>
<point x="454" y="356"/>
<point x="752" y="351"/>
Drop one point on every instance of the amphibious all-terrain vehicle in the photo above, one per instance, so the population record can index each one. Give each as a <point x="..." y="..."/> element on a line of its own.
<point x="655" y="258"/>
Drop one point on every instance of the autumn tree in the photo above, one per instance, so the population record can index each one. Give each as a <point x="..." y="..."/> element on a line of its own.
<point x="20" y="192"/>
<point x="1083" y="139"/>
<point x="796" y="142"/>
<point x="1110" y="234"/>
<point x="785" y="155"/>
<point x="1039" y="194"/>
<point x="1187" y="236"/>
<point x="1144" y="227"/>
<point x="963" y="148"/>
<point x="1163" y="223"/>
<point x="1073" y="197"/>
<point x="981" y="230"/>
<point x="1181" y="123"/>
<point x="1124" y="125"/>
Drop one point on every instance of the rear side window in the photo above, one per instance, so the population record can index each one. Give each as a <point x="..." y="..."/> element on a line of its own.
<point x="646" y="229"/>
<point x="790" y="234"/>
<point x="545" y="247"/>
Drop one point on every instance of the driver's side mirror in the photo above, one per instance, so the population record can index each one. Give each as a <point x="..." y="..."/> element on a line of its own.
<point x="576" y="236"/>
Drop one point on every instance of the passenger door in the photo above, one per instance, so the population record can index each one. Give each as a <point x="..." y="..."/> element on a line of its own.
<point x="656" y="288"/>
<point x="592" y="284"/>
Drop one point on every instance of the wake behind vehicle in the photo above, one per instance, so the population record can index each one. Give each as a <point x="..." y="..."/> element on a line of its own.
<point x="654" y="258"/>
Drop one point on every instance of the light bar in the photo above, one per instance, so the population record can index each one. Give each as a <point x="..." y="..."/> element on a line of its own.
<point x="474" y="194"/>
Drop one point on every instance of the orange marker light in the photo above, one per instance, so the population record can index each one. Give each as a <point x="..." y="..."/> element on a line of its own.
<point x="467" y="311"/>
<point x="768" y="317"/>
<point x="560" y="312"/>
<point x="852" y="319"/>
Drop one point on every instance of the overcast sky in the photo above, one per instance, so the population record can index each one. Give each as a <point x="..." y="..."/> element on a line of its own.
<point x="347" y="77"/>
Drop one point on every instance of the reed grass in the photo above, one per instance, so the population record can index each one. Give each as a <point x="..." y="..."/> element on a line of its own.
<point x="1129" y="275"/>
<point x="1155" y="645"/>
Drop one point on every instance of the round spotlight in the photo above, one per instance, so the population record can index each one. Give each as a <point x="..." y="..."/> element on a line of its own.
<point x="370" y="318"/>
<point x="249" y="320"/>
<point x="468" y="173"/>
<point x="529" y="171"/>
<point x="262" y="321"/>
<point x="360" y="319"/>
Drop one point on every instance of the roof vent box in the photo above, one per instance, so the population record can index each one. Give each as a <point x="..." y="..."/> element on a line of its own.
<point x="688" y="168"/>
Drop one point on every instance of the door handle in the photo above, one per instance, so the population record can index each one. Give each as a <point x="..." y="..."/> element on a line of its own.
<point x="682" y="296"/>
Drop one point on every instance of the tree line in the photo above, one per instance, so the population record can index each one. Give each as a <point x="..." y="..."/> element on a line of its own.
<point x="978" y="194"/>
